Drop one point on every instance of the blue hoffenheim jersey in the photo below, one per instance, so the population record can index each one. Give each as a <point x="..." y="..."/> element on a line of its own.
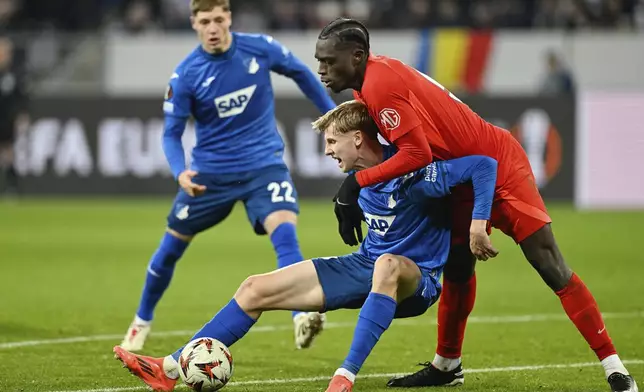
<point x="410" y="216"/>
<point x="230" y="97"/>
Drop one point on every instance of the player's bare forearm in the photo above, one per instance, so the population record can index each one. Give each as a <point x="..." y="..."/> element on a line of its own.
<point x="413" y="153"/>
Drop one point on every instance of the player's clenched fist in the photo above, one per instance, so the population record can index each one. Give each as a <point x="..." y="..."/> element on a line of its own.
<point x="480" y="243"/>
<point x="192" y="189"/>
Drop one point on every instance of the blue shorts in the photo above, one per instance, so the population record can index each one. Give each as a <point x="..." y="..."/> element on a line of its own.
<point x="263" y="192"/>
<point x="346" y="283"/>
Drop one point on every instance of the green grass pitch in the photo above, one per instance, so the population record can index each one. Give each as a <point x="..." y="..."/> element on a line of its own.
<point x="75" y="268"/>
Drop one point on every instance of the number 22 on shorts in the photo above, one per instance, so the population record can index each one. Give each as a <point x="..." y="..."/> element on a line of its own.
<point x="275" y="188"/>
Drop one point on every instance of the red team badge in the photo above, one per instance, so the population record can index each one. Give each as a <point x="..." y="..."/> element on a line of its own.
<point x="390" y="119"/>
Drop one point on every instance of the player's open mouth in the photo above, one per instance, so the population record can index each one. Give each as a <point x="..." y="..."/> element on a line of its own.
<point x="339" y="161"/>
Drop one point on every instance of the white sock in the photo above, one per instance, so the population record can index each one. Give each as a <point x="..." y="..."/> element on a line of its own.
<point x="171" y="367"/>
<point x="445" y="364"/>
<point x="613" y="364"/>
<point x="345" y="373"/>
<point x="139" y="321"/>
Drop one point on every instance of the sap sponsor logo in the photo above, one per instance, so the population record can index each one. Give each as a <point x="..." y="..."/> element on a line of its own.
<point x="234" y="103"/>
<point x="379" y="224"/>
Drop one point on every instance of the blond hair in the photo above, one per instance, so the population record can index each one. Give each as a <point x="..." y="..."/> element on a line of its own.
<point x="208" y="5"/>
<point x="348" y="116"/>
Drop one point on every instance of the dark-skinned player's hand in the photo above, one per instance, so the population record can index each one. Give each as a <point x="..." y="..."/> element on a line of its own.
<point x="348" y="211"/>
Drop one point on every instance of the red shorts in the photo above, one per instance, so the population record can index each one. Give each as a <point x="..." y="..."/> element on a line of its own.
<point x="518" y="211"/>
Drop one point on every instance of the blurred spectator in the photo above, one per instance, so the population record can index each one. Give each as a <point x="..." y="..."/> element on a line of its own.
<point x="287" y="16"/>
<point x="418" y="13"/>
<point x="63" y="15"/>
<point x="638" y="14"/>
<point x="176" y="14"/>
<point x="450" y="13"/>
<point x="137" y="16"/>
<point x="358" y="9"/>
<point x="9" y="17"/>
<point x="482" y="14"/>
<point x="140" y="16"/>
<point x="250" y="17"/>
<point x="558" y="79"/>
<point x="409" y="13"/>
<point x="13" y="115"/>
<point x="327" y="10"/>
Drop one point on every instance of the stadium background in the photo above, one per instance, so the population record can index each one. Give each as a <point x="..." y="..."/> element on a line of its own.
<point x="96" y="187"/>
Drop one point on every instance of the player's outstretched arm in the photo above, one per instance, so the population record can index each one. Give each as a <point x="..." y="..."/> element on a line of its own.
<point x="285" y="63"/>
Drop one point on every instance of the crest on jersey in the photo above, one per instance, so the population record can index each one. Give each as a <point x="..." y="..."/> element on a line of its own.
<point x="391" y="203"/>
<point x="253" y="66"/>
<point x="168" y="92"/>
<point x="389" y="118"/>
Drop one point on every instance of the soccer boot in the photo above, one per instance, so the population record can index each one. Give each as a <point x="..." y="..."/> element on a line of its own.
<point x="307" y="327"/>
<point x="149" y="370"/>
<point x="340" y="384"/>
<point x="135" y="337"/>
<point x="429" y="376"/>
<point x="622" y="383"/>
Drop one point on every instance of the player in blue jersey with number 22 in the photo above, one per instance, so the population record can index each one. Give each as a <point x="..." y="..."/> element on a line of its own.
<point x="394" y="274"/>
<point x="225" y="85"/>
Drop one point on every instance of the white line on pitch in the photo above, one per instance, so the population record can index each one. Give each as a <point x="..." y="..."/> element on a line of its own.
<point x="379" y="375"/>
<point x="529" y="318"/>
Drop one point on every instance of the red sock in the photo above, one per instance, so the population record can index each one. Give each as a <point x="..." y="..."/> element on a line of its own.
<point x="582" y="309"/>
<point x="454" y="307"/>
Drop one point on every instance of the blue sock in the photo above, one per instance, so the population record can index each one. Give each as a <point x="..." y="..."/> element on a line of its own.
<point x="375" y="317"/>
<point x="160" y="272"/>
<point x="229" y="325"/>
<point x="286" y="246"/>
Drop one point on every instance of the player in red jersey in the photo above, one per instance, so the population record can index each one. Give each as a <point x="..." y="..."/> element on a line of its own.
<point x="425" y="121"/>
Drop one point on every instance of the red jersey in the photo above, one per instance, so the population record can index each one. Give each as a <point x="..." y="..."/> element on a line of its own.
<point x="404" y="101"/>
